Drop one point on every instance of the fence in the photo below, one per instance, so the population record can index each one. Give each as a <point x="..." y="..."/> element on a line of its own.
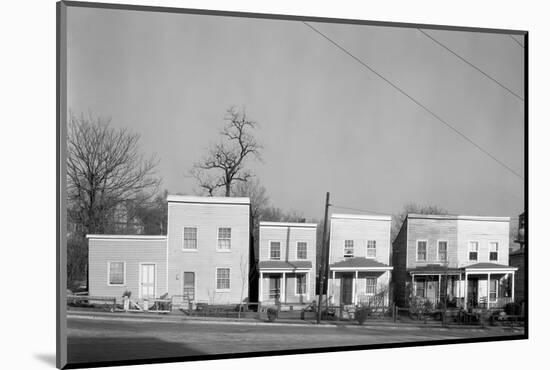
<point x="79" y="300"/>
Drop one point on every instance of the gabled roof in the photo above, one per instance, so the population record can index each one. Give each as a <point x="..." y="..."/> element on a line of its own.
<point x="284" y="265"/>
<point x="458" y="217"/>
<point x="359" y="262"/>
<point x="487" y="266"/>
<point x="360" y="217"/>
<point x="287" y="224"/>
<point x="433" y="269"/>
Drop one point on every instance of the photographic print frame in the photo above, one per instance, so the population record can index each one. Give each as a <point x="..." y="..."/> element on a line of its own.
<point x="62" y="222"/>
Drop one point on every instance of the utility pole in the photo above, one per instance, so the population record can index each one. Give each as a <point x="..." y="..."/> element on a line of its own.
<point x="324" y="263"/>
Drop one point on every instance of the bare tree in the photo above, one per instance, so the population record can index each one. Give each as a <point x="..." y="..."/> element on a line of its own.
<point x="224" y="164"/>
<point x="104" y="169"/>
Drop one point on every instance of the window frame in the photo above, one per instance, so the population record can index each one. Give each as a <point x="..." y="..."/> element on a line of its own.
<point x="490" y="290"/>
<point x="446" y="250"/>
<point x="224" y="250"/>
<point x="194" y="283"/>
<point x="477" y="250"/>
<point x="196" y="239"/>
<point x="297" y="251"/>
<point x="228" y="278"/>
<point x="109" y="273"/>
<point x="271" y="247"/>
<point x="375" y="279"/>
<point x="352" y="248"/>
<point x="304" y="284"/>
<point x="426" y="251"/>
<point x="497" y="244"/>
<point x="423" y="283"/>
<point x="367" y="250"/>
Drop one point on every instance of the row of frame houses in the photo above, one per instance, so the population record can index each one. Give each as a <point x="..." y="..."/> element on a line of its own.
<point x="208" y="256"/>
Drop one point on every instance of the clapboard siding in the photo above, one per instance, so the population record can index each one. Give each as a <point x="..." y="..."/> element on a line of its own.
<point x="432" y="231"/>
<point x="360" y="231"/>
<point x="132" y="252"/>
<point x="484" y="232"/>
<point x="399" y="263"/>
<point x="207" y="218"/>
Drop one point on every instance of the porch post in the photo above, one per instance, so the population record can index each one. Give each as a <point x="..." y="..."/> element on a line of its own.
<point x="332" y="284"/>
<point x="354" y="288"/>
<point x="438" y="288"/>
<point x="308" y="285"/>
<point x="465" y="290"/>
<point x="414" y="286"/>
<point x="283" y="288"/>
<point x="513" y="282"/>
<point x="261" y="295"/>
<point x="488" y="289"/>
<point x="328" y="289"/>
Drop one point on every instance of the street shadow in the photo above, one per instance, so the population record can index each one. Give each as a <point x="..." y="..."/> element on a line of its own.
<point x="47" y="358"/>
<point x="97" y="349"/>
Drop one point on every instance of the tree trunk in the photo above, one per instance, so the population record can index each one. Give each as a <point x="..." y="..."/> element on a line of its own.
<point x="228" y="189"/>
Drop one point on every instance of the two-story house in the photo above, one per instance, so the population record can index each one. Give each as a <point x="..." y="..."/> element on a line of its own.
<point x="359" y="258"/>
<point x="287" y="253"/>
<point x="203" y="258"/>
<point x="208" y="246"/>
<point x="450" y="257"/>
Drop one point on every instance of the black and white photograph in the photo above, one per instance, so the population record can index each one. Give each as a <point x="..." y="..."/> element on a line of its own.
<point x="240" y="184"/>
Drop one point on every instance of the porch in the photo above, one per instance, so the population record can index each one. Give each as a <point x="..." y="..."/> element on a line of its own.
<point x="285" y="283"/>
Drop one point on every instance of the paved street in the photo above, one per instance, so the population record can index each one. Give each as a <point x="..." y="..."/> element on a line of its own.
<point x="109" y="340"/>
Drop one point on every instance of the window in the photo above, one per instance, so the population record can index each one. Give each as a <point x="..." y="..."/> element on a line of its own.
<point x="421" y="250"/>
<point x="371" y="248"/>
<point x="493" y="289"/>
<point x="474" y="248"/>
<point x="301" y="250"/>
<point x="421" y="289"/>
<point x="371" y="285"/>
<point x="442" y="250"/>
<point x="189" y="285"/>
<point x="348" y="248"/>
<point x="222" y="279"/>
<point x="275" y="251"/>
<point x="493" y="251"/>
<point x="301" y="284"/>
<point x="116" y="273"/>
<point x="224" y="238"/>
<point x="189" y="238"/>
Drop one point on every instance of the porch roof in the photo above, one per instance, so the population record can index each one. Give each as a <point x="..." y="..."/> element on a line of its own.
<point x="484" y="267"/>
<point x="359" y="263"/>
<point x="284" y="265"/>
<point x="434" y="270"/>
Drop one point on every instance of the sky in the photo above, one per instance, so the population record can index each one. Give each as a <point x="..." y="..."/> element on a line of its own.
<point x="326" y="122"/>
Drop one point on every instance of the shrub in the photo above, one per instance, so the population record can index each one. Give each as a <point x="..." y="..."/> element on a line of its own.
<point x="512" y="308"/>
<point x="362" y="313"/>
<point x="127" y="294"/>
<point x="272" y="314"/>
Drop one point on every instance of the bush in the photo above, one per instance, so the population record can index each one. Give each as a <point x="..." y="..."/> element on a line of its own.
<point x="362" y="313"/>
<point x="513" y="308"/>
<point x="272" y="314"/>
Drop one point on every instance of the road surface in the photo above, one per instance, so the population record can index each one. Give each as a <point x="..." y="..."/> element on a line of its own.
<point x="91" y="340"/>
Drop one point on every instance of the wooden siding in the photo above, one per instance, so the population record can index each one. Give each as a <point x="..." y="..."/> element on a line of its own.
<point x="207" y="218"/>
<point x="399" y="263"/>
<point x="132" y="252"/>
<point x="290" y="289"/>
<point x="360" y="231"/>
<point x="382" y="283"/>
<point x="289" y="236"/>
<point x="484" y="232"/>
<point x="431" y="230"/>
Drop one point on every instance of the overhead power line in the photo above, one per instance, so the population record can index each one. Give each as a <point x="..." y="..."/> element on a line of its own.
<point x="359" y="210"/>
<point x="469" y="63"/>
<point x="415" y="101"/>
<point x="517" y="42"/>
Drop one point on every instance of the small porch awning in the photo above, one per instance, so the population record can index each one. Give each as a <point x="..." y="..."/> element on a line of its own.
<point x="359" y="264"/>
<point x="489" y="268"/>
<point x="434" y="270"/>
<point x="273" y="266"/>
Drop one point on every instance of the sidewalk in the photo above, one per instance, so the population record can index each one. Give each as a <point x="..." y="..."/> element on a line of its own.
<point x="180" y="318"/>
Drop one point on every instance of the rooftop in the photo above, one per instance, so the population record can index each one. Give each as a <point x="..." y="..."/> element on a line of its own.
<point x="120" y="237"/>
<point x="360" y="217"/>
<point x="199" y="199"/>
<point x="459" y="217"/>
<point x="286" y="224"/>
<point x="284" y="265"/>
<point x="359" y="262"/>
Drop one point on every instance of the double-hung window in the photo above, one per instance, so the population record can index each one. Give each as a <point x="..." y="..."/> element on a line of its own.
<point x="442" y="250"/>
<point x="116" y="273"/>
<point x="371" y="286"/>
<point x="371" y="248"/>
<point x="275" y="250"/>
<point x="348" y="248"/>
<point x="224" y="238"/>
<point x="493" y="289"/>
<point x="493" y="251"/>
<point x="190" y="238"/>
<point x="421" y="250"/>
<point x="223" y="278"/>
<point x="301" y="250"/>
<point x="473" y="251"/>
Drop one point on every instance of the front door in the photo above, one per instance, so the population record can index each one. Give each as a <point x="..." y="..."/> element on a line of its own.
<point x="189" y="286"/>
<point x="347" y="289"/>
<point x="274" y="287"/>
<point x="147" y="283"/>
<point x="472" y="292"/>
